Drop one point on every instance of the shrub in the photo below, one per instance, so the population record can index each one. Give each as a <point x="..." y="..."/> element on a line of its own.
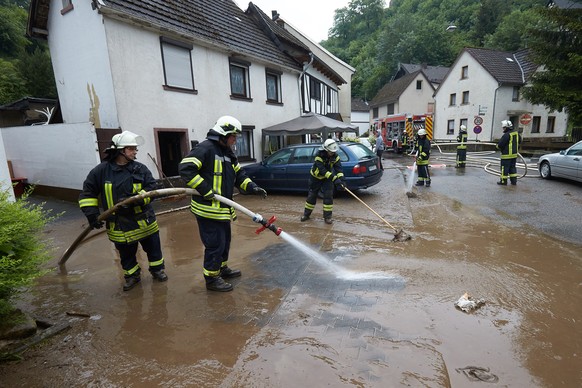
<point x="23" y="249"/>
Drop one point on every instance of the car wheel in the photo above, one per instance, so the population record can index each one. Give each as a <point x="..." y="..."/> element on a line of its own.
<point x="545" y="170"/>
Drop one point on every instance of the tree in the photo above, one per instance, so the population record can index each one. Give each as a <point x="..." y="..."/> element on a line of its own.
<point x="37" y="72"/>
<point x="12" y="31"/>
<point x="12" y="85"/>
<point x="556" y="45"/>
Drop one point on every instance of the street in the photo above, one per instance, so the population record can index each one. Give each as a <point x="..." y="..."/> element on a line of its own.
<point x="387" y="318"/>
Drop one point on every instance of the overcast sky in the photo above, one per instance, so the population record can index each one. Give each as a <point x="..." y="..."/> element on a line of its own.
<point x="312" y="17"/>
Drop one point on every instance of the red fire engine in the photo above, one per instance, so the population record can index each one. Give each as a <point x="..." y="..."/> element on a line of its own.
<point x="399" y="130"/>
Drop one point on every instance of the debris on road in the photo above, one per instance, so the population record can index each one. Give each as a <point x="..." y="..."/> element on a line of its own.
<point x="467" y="303"/>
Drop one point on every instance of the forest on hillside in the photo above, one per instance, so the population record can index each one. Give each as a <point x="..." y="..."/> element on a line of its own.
<point x="374" y="39"/>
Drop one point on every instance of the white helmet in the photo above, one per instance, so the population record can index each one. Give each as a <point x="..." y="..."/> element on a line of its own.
<point x="126" y="139"/>
<point x="506" y="124"/>
<point x="421" y="132"/>
<point x="227" y="125"/>
<point x="463" y="128"/>
<point x="330" y="145"/>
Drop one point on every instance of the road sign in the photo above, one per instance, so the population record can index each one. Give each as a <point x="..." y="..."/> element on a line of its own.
<point x="482" y="110"/>
<point x="478" y="120"/>
<point x="525" y="119"/>
<point x="477" y="129"/>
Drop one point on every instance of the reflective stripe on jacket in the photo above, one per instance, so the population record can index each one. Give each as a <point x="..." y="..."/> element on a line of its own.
<point x="423" y="147"/>
<point x="114" y="183"/>
<point x="462" y="138"/>
<point x="326" y="167"/>
<point x="509" y="144"/>
<point x="211" y="168"/>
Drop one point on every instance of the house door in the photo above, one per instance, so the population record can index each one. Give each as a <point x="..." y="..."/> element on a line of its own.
<point x="171" y="151"/>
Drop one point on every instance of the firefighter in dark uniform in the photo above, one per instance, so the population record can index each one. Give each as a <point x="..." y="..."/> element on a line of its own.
<point x="117" y="178"/>
<point x="462" y="147"/>
<point x="508" y="145"/>
<point x="422" y="156"/>
<point x="325" y="173"/>
<point x="212" y="168"/>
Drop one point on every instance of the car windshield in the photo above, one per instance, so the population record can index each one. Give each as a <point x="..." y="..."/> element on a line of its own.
<point x="361" y="151"/>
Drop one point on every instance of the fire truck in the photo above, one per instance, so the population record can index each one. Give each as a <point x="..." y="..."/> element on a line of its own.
<point x="399" y="130"/>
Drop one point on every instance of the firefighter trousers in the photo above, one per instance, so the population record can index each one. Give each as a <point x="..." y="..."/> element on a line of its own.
<point x="216" y="236"/>
<point x="151" y="246"/>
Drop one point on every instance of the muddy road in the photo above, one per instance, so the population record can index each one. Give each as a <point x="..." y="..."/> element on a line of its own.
<point x="293" y="321"/>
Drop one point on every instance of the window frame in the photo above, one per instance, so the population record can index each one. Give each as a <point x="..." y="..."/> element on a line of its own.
<point x="453" y="99"/>
<point x="390" y="108"/>
<point x="278" y="100"/>
<point x="246" y="78"/>
<point x="67" y="6"/>
<point x="464" y="122"/>
<point x="418" y="84"/>
<point x="450" y="127"/>
<point x="551" y="124"/>
<point x="245" y="154"/>
<point x="516" y="93"/>
<point x="314" y="89"/>
<point x="464" y="72"/>
<point x="536" y="124"/>
<point x="166" y="43"/>
<point x="465" y="100"/>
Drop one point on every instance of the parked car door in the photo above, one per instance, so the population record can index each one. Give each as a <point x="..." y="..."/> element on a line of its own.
<point x="569" y="164"/>
<point x="275" y="170"/>
<point x="299" y="166"/>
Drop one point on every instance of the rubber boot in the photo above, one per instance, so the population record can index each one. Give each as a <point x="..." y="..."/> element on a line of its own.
<point x="160" y="275"/>
<point x="328" y="220"/>
<point x="130" y="282"/>
<point x="419" y="183"/>
<point x="216" y="283"/>
<point x="427" y="183"/>
<point x="503" y="183"/>
<point x="305" y="216"/>
<point x="226" y="272"/>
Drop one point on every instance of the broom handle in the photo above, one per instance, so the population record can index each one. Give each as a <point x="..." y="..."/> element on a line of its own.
<point x="369" y="208"/>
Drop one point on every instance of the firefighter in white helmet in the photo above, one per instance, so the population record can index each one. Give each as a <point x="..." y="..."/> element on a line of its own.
<point x="508" y="145"/>
<point x="462" y="147"/>
<point x="422" y="156"/>
<point x="212" y="168"/>
<point x="325" y="173"/>
<point x="116" y="179"/>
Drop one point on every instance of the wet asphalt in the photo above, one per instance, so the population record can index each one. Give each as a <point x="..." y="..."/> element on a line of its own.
<point x="351" y="308"/>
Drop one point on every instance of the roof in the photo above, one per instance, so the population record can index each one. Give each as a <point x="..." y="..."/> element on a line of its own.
<point x="567" y="4"/>
<point x="26" y="103"/>
<point x="217" y="23"/>
<point x="359" y="105"/>
<point x="435" y="74"/>
<point x="392" y="91"/>
<point x="502" y="65"/>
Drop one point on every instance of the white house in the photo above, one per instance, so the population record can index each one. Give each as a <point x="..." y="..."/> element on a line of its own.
<point x="482" y="88"/>
<point x="168" y="70"/>
<point x="360" y="115"/>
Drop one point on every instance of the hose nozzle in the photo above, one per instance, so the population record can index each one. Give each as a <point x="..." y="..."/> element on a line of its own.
<point x="268" y="225"/>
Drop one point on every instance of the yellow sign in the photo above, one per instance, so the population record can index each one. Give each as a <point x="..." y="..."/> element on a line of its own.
<point x="428" y="126"/>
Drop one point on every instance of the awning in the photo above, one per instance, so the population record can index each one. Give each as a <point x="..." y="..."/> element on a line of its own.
<point x="309" y="124"/>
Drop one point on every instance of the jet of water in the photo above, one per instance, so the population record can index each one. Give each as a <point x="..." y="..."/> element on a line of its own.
<point x="324" y="262"/>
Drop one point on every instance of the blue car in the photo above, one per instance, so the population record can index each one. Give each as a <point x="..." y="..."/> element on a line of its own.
<point x="288" y="168"/>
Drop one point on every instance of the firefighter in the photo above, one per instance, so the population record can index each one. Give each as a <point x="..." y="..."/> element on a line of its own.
<point x="325" y="173"/>
<point x="508" y="145"/>
<point x="422" y="156"/>
<point x="118" y="177"/>
<point x="212" y="168"/>
<point x="462" y="147"/>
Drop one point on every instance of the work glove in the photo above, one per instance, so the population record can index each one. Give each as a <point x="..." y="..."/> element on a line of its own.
<point x="94" y="221"/>
<point x="209" y="196"/>
<point x="339" y="185"/>
<point x="259" y="191"/>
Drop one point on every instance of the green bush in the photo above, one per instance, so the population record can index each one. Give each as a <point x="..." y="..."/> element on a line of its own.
<point x="23" y="249"/>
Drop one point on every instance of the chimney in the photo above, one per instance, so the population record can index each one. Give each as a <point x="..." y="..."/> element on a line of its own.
<point x="274" y="15"/>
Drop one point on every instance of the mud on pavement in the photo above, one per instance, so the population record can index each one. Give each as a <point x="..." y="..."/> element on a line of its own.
<point x="291" y="322"/>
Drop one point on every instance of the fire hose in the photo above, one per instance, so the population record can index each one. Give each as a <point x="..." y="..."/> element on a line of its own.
<point x="256" y="217"/>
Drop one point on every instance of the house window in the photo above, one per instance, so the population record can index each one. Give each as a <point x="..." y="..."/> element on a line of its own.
<point x="244" y="144"/>
<point x="314" y="88"/>
<point x="177" y="63"/>
<point x="375" y="113"/>
<point x="551" y="124"/>
<point x="390" y="109"/>
<point x="515" y="96"/>
<point x="464" y="122"/>
<point x="328" y="96"/>
<point x="536" y="124"/>
<point x="450" y="127"/>
<point x="67" y="6"/>
<point x="273" y="79"/>
<point x="453" y="99"/>
<point x="466" y="97"/>
<point x="419" y="85"/>
<point x="239" y="80"/>
<point x="465" y="72"/>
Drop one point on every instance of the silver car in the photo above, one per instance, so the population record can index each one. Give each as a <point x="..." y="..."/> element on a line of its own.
<point x="564" y="164"/>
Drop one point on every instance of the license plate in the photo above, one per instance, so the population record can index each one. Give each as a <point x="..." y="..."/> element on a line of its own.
<point x="372" y="168"/>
